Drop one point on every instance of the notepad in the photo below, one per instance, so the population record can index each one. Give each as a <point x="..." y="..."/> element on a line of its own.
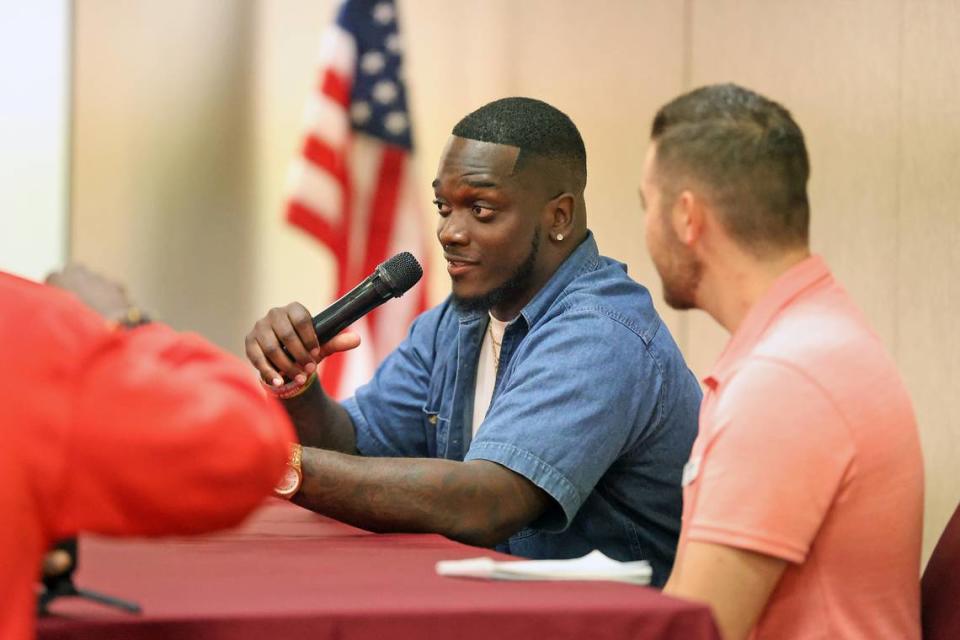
<point x="593" y="566"/>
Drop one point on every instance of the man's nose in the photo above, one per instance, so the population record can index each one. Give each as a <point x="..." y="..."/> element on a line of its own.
<point x="452" y="230"/>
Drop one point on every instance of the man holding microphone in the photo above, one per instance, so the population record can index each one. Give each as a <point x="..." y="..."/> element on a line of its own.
<point x="543" y="409"/>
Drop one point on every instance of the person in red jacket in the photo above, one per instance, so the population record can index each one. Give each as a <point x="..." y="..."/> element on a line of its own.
<point x="117" y="431"/>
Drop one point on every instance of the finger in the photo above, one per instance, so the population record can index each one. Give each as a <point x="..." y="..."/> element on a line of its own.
<point x="340" y="342"/>
<point x="289" y="338"/>
<point x="303" y="324"/>
<point x="270" y="345"/>
<point x="259" y="361"/>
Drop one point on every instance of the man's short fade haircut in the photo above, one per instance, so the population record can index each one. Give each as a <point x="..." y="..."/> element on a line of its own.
<point x="533" y="126"/>
<point x="749" y="155"/>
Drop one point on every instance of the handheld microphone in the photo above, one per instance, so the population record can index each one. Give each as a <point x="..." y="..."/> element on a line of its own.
<point x="391" y="279"/>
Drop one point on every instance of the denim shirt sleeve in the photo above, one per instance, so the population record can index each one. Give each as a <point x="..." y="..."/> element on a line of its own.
<point x="387" y="412"/>
<point x="583" y="390"/>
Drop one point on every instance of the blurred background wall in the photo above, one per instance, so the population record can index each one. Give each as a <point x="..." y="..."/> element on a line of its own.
<point x="187" y="113"/>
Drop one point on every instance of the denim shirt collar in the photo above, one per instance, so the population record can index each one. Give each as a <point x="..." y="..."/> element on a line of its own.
<point x="585" y="257"/>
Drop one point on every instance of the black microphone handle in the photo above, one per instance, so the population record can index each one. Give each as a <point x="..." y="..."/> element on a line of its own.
<point x="355" y="304"/>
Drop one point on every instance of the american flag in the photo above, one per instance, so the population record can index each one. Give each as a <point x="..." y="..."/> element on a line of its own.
<point x="353" y="186"/>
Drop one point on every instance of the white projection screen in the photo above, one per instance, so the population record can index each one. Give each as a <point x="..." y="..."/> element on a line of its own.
<point x="34" y="135"/>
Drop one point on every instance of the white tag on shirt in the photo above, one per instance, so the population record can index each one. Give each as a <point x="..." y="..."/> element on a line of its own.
<point x="690" y="471"/>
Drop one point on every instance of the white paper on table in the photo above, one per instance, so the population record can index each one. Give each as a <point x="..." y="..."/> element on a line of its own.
<point x="593" y="566"/>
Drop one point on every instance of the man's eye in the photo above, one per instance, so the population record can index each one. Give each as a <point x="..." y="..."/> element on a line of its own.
<point x="480" y="210"/>
<point x="442" y="207"/>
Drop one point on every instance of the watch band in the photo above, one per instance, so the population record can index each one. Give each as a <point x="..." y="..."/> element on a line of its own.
<point x="293" y="476"/>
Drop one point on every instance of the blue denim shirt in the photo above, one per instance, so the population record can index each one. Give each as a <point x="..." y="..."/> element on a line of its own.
<point x="593" y="403"/>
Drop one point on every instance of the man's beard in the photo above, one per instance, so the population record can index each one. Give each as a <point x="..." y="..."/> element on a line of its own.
<point x="682" y="275"/>
<point x="516" y="285"/>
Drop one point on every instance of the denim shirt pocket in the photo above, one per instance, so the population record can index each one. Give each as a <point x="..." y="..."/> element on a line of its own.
<point x="437" y="409"/>
<point x="436" y="430"/>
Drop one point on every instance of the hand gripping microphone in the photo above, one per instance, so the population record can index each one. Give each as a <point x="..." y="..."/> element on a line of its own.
<point x="391" y="279"/>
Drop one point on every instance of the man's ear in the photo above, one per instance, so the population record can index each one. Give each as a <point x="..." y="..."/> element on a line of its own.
<point x="688" y="217"/>
<point x="560" y="214"/>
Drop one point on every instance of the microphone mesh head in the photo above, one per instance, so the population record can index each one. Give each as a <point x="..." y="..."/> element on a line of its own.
<point x="401" y="272"/>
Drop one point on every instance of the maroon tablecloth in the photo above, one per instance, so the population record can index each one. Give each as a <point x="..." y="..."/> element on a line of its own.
<point x="288" y="573"/>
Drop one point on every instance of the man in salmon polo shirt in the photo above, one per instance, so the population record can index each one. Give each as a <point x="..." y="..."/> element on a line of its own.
<point x="803" y="495"/>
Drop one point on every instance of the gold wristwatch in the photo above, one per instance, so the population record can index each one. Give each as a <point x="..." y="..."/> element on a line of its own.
<point x="292" y="476"/>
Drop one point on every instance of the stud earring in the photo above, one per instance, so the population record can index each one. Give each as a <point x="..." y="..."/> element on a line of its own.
<point x="559" y="237"/>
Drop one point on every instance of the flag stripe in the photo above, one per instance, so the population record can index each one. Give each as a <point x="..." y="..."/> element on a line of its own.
<point x="317" y="226"/>
<point x="384" y="206"/>
<point x="325" y="157"/>
<point x="317" y="190"/>
<point x="336" y="87"/>
<point x="382" y="218"/>
<point x="338" y="51"/>
<point x="408" y="234"/>
<point x="327" y="121"/>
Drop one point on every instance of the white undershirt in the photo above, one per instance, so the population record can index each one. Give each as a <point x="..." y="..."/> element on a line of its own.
<point x="487" y="370"/>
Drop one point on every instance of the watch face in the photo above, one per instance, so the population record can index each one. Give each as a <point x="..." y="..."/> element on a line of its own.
<point x="289" y="483"/>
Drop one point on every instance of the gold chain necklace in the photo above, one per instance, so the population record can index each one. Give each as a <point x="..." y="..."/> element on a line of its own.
<point x="496" y="346"/>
